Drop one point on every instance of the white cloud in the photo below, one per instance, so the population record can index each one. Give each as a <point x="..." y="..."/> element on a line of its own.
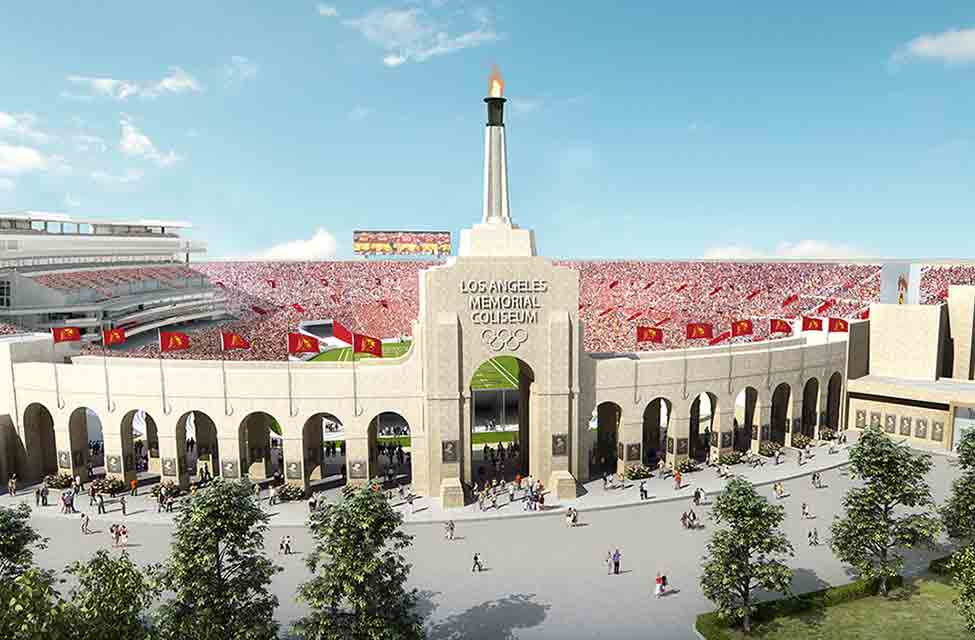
<point x="84" y="143"/>
<point x="360" y="113"/>
<point x="409" y="35"/>
<point x="525" y="105"/>
<point x="21" y="125"/>
<point x="128" y="176"/>
<point x="6" y="184"/>
<point x="320" y="246"/>
<point x="16" y="159"/>
<point x="239" y="69"/>
<point x="327" y="10"/>
<point x="71" y="202"/>
<point x="799" y="249"/>
<point x="135" y="143"/>
<point x="952" y="46"/>
<point x="178" y="81"/>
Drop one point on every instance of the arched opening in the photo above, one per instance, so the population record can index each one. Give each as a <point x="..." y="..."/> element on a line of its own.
<point x="196" y="439"/>
<point x="87" y="442"/>
<point x="833" y="393"/>
<point x="703" y="409"/>
<point x="260" y="459"/>
<point x="140" y="446"/>
<point x="323" y="441"/>
<point x="810" y="401"/>
<point x="500" y="419"/>
<point x="656" y="418"/>
<point x="608" y="449"/>
<point x="389" y="448"/>
<point x="781" y="399"/>
<point x="744" y="430"/>
<point x="39" y="456"/>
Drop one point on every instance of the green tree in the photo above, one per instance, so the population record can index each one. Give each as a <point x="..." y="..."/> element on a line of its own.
<point x="358" y="589"/>
<point x="963" y="572"/>
<point x="958" y="511"/>
<point x="17" y="541"/>
<point x="890" y="511"/>
<point x="217" y="569"/>
<point x="31" y="607"/>
<point x="111" y="599"/>
<point x="744" y="555"/>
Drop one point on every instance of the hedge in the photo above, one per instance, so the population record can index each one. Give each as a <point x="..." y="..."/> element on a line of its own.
<point x="712" y="627"/>
<point x="941" y="566"/>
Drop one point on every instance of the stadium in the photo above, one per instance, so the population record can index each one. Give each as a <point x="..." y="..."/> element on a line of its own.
<point x="575" y="368"/>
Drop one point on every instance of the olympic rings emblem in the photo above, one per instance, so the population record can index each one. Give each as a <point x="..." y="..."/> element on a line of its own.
<point x="504" y="339"/>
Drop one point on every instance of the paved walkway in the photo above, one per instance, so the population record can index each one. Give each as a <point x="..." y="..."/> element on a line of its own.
<point x="543" y="579"/>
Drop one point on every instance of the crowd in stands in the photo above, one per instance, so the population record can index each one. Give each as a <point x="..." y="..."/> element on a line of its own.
<point x="108" y="283"/>
<point x="380" y="298"/>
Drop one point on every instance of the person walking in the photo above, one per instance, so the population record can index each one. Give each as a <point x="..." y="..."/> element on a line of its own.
<point x="101" y="503"/>
<point x="133" y="487"/>
<point x="643" y="490"/>
<point x="658" y="587"/>
<point x="123" y="533"/>
<point x="449" y="530"/>
<point x="121" y="501"/>
<point x="12" y="484"/>
<point x="678" y="478"/>
<point x="409" y="501"/>
<point x="609" y="562"/>
<point x="37" y="497"/>
<point x="616" y="562"/>
<point x="477" y="564"/>
<point x="92" y="495"/>
<point x="805" y="511"/>
<point x="44" y="493"/>
<point x="814" y="538"/>
<point x="85" y="521"/>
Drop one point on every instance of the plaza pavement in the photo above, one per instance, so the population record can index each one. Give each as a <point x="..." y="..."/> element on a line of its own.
<point x="543" y="580"/>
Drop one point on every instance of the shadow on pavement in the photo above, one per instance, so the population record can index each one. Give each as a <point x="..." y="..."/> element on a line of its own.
<point x="494" y="620"/>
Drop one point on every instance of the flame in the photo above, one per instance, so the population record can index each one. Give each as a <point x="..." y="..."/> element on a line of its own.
<point x="496" y="83"/>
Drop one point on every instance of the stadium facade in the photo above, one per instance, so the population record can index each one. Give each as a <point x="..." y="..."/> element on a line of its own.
<point x="495" y="298"/>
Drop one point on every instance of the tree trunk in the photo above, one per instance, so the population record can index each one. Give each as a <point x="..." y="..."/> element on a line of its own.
<point x="746" y="623"/>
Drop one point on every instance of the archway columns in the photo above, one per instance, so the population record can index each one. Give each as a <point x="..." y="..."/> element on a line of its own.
<point x="119" y="458"/>
<point x="631" y="437"/>
<point x="72" y="452"/>
<point x="678" y="439"/>
<point x="311" y="454"/>
<point x="293" y="454"/>
<point x="231" y="463"/>
<point x="361" y="463"/>
<point x="550" y="449"/>
<point x="171" y="463"/>
<point x="793" y="419"/>
<point x="722" y="431"/>
<point x="762" y="429"/>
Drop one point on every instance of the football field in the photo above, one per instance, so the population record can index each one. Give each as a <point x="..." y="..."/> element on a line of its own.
<point x="344" y="354"/>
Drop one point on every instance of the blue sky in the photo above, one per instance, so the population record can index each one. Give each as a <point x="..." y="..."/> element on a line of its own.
<point x="635" y="129"/>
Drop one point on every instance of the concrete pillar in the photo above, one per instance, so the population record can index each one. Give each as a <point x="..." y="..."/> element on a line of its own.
<point x="172" y="460"/>
<point x="821" y="407"/>
<point x="678" y="438"/>
<point x="762" y="429"/>
<point x="722" y="434"/>
<point x="231" y="462"/>
<point x="466" y="466"/>
<point x="119" y="456"/>
<point x="292" y="462"/>
<point x="72" y="448"/>
<point x="794" y="416"/>
<point x="311" y="452"/>
<point x="360" y="461"/>
<point x="630" y="435"/>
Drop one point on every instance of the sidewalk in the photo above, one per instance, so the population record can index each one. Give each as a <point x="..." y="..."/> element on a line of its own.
<point x="593" y="497"/>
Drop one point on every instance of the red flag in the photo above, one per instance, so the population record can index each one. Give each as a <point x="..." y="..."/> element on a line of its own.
<point x="366" y="344"/>
<point x="680" y="288"/>
<point x="272" y="284"/>
<point x="259" y="310"/>
<point x="838" y="324"/>
<point x="660" y="322"/>
<point x="812" y="324"/>
<point x="715" y="290"/>
<point x="66" y="334"/>
<point x="341" y="333"/>
<point x="297" y="307"/>
<point x="301" y="343"/>
<point x="752" y="294"/>
<point x="699" y="330"/>
<point x="721" y="338"/>
<point x="173" y="341"/>
<point x="606" y="310"/>
<point x="230" y="341"/>
<point x="825" y="306"/>
<point x="778" y="325"/>
<point x="742" y="328"/>
<point x="113" y="336"/>
<point x="612" y="285"/>
<point x="865" y="314"/>
<point x="649" y="334"/>
<point x="634" y="316"/>
<point x="790" y="300"/>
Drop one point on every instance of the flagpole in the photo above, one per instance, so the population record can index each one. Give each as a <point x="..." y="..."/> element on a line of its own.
<point x="108" y="395"/>
<point x="685" y="369"/>
<point x="162" y="378"/>
<point x="54" y="365"/>
<point x="730" y="360"/>
<point x="291" y="403"/>
<point x="227" y="410"/>
<point x="355" y="388"/>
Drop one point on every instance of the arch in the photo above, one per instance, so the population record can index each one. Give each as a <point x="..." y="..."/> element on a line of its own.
<point x="703" y="409"/>
<point x="37" y="455"/>
<point x="197" y="443"/>
<point x="500" y="419"/>
<point x="140" y="445"/>
<point x="388" y="458"/>
<point x="834" y="392"/>
<point x="606" y="452"/>
<point x="744" y="427"/>
<point x="258" y="460"/>
<point x="324" y="458"/>
<point x="781" y="413"/>
<point x="656" y="420"/>
<point x="810" y="402"/>
<point x="88" y="438"/>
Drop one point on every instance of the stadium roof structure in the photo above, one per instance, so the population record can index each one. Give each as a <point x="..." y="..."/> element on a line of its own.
<point x="45" y="216"/>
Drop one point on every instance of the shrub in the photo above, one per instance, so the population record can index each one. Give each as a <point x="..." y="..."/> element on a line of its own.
<point x="687" y="465"/>
<point x="109" y="485"/>
<point x="712" y="627"/>
<point x="169" y="487"/>
<point x="59" y="481"/>
<point x="638" y="472"/>
<point x="800" y="440"/>
<point x="941" y="566"/>
<point x="769" y="448"/>
<point x="289" y="492"/>
<point x="825" y="433"/>
<point x="730" y="458"/>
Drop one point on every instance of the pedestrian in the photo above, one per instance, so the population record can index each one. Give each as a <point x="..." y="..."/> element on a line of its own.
<point x="37" y="497"/>
<point x="123" y="533"/>
<point x="287" y="545"/>
<point x="683" y="520"/>
<point x="616" y="562"/>
<point x="658" y="587"/>
<point x="799" y="459"/>
<point x="697" y="497"/>
<point x="477" y="564"/>
<point x="113" y="532"/>
<point x="643" y="490"/>
<point x="449" y="530"/>
<point x="257" y="493"/>
<point x="409" y="501"/>
<point x="805" y="511"/>
<point x="272" y="496"/>
<point x="44" y="493"/>
<point x="814" y="538"/>
<point x="85" y="520"/>
<point x="312" y="504"/>
<point x="678" y="478"/>
<point x="511" y="492"/>
<point x="79" y="485"/>
<point x="122" y="502"/>
<point x="92" y="495"/>
<point x="568" y="517"/>
<point x="134" y="487"/>
<point x="609" y="562"/>
<point x="101" y="503"/>
<point x="12" y="484"/>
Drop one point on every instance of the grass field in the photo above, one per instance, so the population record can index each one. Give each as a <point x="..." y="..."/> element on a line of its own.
<point x="921" y="609"/>
<point x="489" y="437"/>
<point x="344" y="354"/>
